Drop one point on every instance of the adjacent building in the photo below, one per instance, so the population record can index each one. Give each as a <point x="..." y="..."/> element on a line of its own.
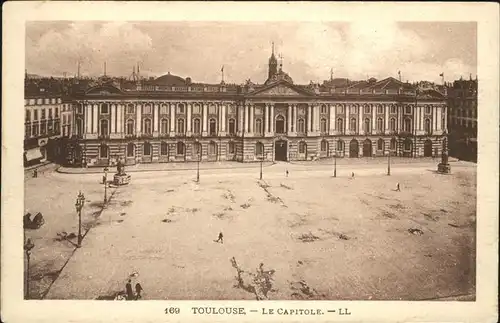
<point x="462" y="119"/>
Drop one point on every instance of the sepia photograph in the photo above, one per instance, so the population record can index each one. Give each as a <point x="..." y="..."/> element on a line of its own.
<point x="250" y="160"/>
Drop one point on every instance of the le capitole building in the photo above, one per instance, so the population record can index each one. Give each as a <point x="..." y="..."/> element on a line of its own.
<point x="171" y="119"/>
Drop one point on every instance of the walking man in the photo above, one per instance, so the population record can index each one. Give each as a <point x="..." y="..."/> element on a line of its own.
<point x="128" y="289"/>
<point x="286" y="173"/>
<point x="138" y="290"/>
<point x="220" y="238"/>
<point x="397" y="188"/>
<point x="352" y="175"/>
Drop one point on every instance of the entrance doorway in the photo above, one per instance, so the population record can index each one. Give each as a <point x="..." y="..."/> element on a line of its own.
<point x="367" y="148"/>
<point x="353" y="149"/>
<point x="428" y="148"/>
<point x="280" y="150"/>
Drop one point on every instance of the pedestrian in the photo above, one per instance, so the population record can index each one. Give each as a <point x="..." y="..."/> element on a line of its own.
<point x="286" y="173"/>
<point x="352" y="175"/>
<point x="220" y="238"/>
<point x="397" y="188"/>
<point x="138" y="290"/>
<point x="35" y="173"/>
<point x="128" y="289"/>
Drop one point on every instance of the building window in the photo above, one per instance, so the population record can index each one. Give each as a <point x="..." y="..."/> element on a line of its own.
<point x="79" y="127"/>
<point x="231" y="147"/>
<point x="380" y="109"/>
<point x="212" y="148"/>
<point x="259" y="149"/>
<point x="323" y="126"/>
<point x="50" y="113"/>
<point x="352" y="125"/>
<point x="28" y="116"/>
<point x="394" y="108"/>
<point x="212" y="109"/>
<point x="301" y="126"/>
<point x="302" y="147"/>
<point x="35" y="115"/>
<point x="232" y="126"/>
<point x="130" y="150"/>
<point x="147" y="109"/>
<point x="407" y="125"/>
<point x="324" y="145"/>
<point x="104" y="127"/>
<point x="196" y="109"/>
<point x="258" y="126"/>
<point x="27" y="131"/>
<point x="340" y="124"/>
<point x="104" y="109"/>
<point x="146" y="149"/>
<point x="394" y="144"/>
<point x="181" y="148"/>
<point x="43" y="127"/>
<point x="57" y="113"/>
<point x="407" y="109"/>
<point x="180" y="125"/>
<point x="380" y="124"/>
<point x="340" y="109"/>
<point x="427" y="126"/>
<point x="427" y="109"/>
<point x="163" y="109"/>
<point x="232" y="109"/>
<point x="340" y="145"/>
<point x="324" y="109"/>
<point x="280" y="124"/>
<point x="57" y="127"/>
<point x="47" y="101"/>
<point x="147" y="126"/>
<point x="79" y="109"/>
<point x="49" y="125"/>
<point x="407" y="144"/>
<point x="196" y="149"/>
<point x="367" y="108"/>
<point x="354" y="109"/>
<point x="43" y="114"/>
<point x="35" y="130"/>
<point x="213" y="128"/>
<point x="367" y="126"/>
<point x="196" y="126"/>
<point x="392" y="124"/>
<point x="103" y="151"/>
<point x="130" y="109"/>
<point x="180" y="108"/>
<point x="164" y="126"/>
<point x="380" y="144"/>
<point x="130" y="127"/>
<point x="164" y="149"/>
<point x="258" y="111"/>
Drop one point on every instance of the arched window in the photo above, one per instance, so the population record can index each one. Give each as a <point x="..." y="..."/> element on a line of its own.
<point x="231" y="147"/>
<point x="427" y="109"/>
<point x="130" y="109"/>
<point x="130" y="150"/>
<point x="196" y="126"/>
<point x="196" y="108"/>
<point x="130" y="127"/>
<point x="352" y="125"/>
<point x="259" y="149"/>
<point x="258" y="126"/>
<point x="324" y="109"/>
<point x="427" y="126"/>
<point x="163" y="109"/>
<point x="164" y="149"/>
<point x="212" y="127"/>
<point x="164" y="126"/>
<point x="280" y="124"/>
<point x="232" y="126"/>
<point x="212" y="148"/>
<point x="340" y="125"/>
<point x="407" y="144"/>
<point x="302" y="147"/>
<point x="367" y="126"/>
<point x="301" y="126"/>
<point x="181" y="148"/>
<point x="380" y="124"/>
<point x="196" y="149"/>
<point x="180" y="108"/>
<point x="180" y="126"/>
<point x="394" y="109"/>
<point x="367" y="109"/>
<point x="147" y="109"/>
<point x="103" y="151"/>
<point x="340" y="108"/>
<point x="104" y="131"/>
<point x="353" y="109"/>
<point x="407" y="125"/>
<point x="394" y="144"/>
<point x="147" y="126"/>
<point x="146" y="149"/>
<point x="380" y="109"/>
<point x="324" y="145"/>
<point x="323" y="125"/>
<point x="380" y="144"/>
<point x="340" y="145"/>
<point x="392" y="124"/>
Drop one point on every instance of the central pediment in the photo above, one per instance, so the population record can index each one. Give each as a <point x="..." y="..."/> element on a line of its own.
<point x="280" y="89"/>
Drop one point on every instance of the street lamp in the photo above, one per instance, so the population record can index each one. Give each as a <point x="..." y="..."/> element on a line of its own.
<point x="28" y="245"/>
<point x="105" y="184"/>
<point x="261" y="161"/>
<point x="389" y="163"/>
<point x="334" y="164"/>
<point x="80" y="201"/>
<point x="198" y="166"/>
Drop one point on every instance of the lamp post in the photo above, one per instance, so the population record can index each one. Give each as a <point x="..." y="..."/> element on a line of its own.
<point x="28" y="245"/>
<point x="198" y="167"/>
<point x="261" y="161"/>
<point x="80" y="201"/>
<point x="389" y="163"/>
<point x="105" y="184"/>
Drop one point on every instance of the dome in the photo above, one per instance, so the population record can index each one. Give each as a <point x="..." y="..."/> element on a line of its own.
<point x="171" y="80"/>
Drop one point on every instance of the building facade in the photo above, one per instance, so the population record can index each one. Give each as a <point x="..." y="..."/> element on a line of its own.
<point x="462" y="102"/>
<point x="172" y="119"/>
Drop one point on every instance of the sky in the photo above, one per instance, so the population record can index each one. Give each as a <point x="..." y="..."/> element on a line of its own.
<point x="310" y="50"/>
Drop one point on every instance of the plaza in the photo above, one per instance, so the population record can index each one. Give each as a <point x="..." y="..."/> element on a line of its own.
<point x="321" y="237"/>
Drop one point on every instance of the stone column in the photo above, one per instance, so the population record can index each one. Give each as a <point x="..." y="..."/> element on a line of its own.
<point x="309" y="118"/>
<point x="189" y="107"/>
<point x="271" y="117"/>
<point x="223" y="120"/>
<point x="266" y="120"/>
<point x="400" y="111"/>
<point x="138" y="124"/>
<point x="205" y="119"/>
<point x="251" y="119"/>
<point x="240" y="119"/>
<point x="360" y="119"/>
<point x="346" y="121"/>
<point x="289" y="119"/>
<point x="113" y="118"/>
<point x="88" y="118"/>
<point x="95" y="110"/>
<point x="332" y="125"/>
<point x="156" y="114"/>
<point x="294" y="118"/>
<point x="172" y="119"/>
<point x="439" y="123"/>
<point x="245" y="118"/>
<point x="374" y="118"/>
<point x="386" y="123"/>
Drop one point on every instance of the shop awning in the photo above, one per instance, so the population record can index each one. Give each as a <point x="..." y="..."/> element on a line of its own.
<point x="32" y="154"/>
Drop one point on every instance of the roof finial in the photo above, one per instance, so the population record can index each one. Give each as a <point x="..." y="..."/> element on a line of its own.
<point x="272" y="48"/>
<point x="331" y="74"/>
